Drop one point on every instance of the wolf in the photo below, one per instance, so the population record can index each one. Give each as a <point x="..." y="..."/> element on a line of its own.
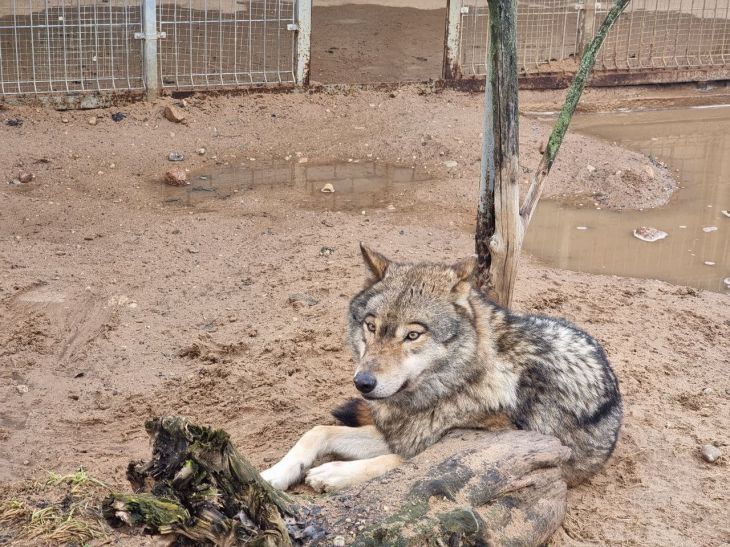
<point x="433" y="353"/>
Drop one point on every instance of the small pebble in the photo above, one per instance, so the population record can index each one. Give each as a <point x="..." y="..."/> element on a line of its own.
<point x="176" y="177"/>
<point x="92" y="120"/>
<point x="327" y="189"/>
<point x="25" y="177"/>
<point x="175" y="156"/>
<point x="201" y="151"/>
<point x="710" y="453"/>
<point x="451" y="164"/>
<point x="174" y="114"/>
<point x="118" y="116"/>
<point x="708" y="229"/>
<point x="338" y="541"/>
<point x="649" y="234"/>
<point x="590" y="169"/>
<point x="726" y="213"/>
<point x="709" y="263"/>
<point x="22" y="388"/>
<point x="581" y="227"/>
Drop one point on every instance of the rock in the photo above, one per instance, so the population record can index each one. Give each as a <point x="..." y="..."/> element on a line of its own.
<point x="451" y="164"/>
<point x="174" y="114"/>
<point x="302" y="298"/>
<point x="14" y="182"/>
<point x="710" y="453"/>
<point x="326" y="251"/>
<point x="726" y="213"/>
<point x="649" y="234"/>
<point x="14" y="122"/>
<point x="175" y="156"/>
<point x="22" y="388"/>
<point x="193" y="250"/>
<point x="64" y="119"/>
<point x="176" y="177"/>
<point x="25" y="177"/>
<point x="201" y="151"/>
<point x="709" y="263"/>
<point x="649" y="171"/>
<point x="338" y="541"/>
<point x="708" y="229"/>
<point x="92" y="121"/>
<point x="708" y="391"/>
<point x="590" y="168"/>
<point x="327" y="189"/>
<point x="118" y="116"/>
<point x="581" y="227"/>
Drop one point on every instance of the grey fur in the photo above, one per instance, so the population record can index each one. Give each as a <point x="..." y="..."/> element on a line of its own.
<point x="476" y="359"/>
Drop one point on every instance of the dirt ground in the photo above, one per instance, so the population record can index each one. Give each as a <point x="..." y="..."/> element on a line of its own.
<point x="357" y="43"/>
<point x="105" y="287"/>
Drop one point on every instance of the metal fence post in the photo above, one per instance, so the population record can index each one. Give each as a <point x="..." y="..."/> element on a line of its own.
<point x="149" y="47"/>
<point x="452" y="61"/>
<point x="586" y="27"/>
<point x="304" y="31"/>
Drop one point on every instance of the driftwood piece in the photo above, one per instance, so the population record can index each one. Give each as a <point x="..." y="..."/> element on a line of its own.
<point x="472" y="488"/>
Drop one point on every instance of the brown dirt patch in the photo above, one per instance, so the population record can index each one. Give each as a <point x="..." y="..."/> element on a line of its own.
<point x="103" y="286"/>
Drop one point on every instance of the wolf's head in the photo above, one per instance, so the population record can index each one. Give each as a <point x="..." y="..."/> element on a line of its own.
<point x="412" y="329"/>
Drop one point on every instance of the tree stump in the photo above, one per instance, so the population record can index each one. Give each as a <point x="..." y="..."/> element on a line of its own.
<point x="471" y="488"/>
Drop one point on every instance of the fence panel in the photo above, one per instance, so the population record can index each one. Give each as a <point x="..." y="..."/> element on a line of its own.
<point x="212" y="43"/>
<point x="64" y="46"/>
<point x="650" y="36"/>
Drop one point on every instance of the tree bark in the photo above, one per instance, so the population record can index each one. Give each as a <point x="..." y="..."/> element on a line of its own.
<point x="498" y="231"/>
<point x="495" y="488"/>
<point x="501" y="223"/>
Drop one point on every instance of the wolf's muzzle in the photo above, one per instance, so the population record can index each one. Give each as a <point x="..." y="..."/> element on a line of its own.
<point x="365" y="382"/>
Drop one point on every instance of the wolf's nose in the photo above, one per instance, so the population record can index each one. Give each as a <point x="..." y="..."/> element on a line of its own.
<point x="365" y="382"/>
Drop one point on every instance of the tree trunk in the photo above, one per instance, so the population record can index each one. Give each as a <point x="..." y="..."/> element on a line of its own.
<point x="498" y="231"/>
<point x="471" y="488"/>
<point x="501" y="223"/>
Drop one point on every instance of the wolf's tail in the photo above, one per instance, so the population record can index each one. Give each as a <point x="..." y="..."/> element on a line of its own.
<point x="354" y="413"/>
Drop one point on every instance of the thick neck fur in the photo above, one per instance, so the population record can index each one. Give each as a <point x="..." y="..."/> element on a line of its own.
<point x="484" y="383"/>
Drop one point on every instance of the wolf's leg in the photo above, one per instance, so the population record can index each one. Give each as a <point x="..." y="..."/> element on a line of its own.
<point x="351" y="443"/>
<point x="332" y="476"/>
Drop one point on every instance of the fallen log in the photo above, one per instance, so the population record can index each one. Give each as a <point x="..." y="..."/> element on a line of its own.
<point x="472" y="488"/>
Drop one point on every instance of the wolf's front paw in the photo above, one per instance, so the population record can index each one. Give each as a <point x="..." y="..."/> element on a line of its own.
<point x="283" y="475"/>
<point x="332" y="476"/>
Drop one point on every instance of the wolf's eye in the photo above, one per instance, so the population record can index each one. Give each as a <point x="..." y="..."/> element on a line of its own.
<point x="370" y="325"/>
<point x="413" y="335"/>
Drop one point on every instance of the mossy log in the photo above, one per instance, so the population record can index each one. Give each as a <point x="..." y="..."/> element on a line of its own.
<point x="495" y="488"/>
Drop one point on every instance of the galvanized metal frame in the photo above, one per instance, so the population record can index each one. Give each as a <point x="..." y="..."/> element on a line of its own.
<point x="69" y="46"/>
<point x="653" y="41"/>
<point x="78" y="48"/>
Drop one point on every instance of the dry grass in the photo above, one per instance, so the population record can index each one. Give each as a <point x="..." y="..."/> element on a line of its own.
<point x="62" y="510"/>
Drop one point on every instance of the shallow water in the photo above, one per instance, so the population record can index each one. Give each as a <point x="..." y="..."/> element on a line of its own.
<point x="695" y="143"/>
<point x="357" y="184"/>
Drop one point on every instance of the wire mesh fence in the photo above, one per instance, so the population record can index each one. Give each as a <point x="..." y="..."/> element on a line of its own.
<point x="51" y="46"/>
<point x="212" y="43"/>
<point x="650" y="34"/>
<point x="77" y="46"/>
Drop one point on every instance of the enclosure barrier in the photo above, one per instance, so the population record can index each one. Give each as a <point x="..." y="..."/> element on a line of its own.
<point x="653" y="40"/>
<point x="126" y="46"/>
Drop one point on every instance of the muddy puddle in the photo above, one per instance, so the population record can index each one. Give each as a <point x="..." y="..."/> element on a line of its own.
<point x="695" y="144"/>
<point x="333" y="186"/>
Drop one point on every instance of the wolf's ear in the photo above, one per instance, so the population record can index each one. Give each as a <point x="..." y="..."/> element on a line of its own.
<point x="465" y="268"/>
<point x="376" y="262"/>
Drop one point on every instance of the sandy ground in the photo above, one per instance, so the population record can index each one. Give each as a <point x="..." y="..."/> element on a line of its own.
<point x="103" y="286"/>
